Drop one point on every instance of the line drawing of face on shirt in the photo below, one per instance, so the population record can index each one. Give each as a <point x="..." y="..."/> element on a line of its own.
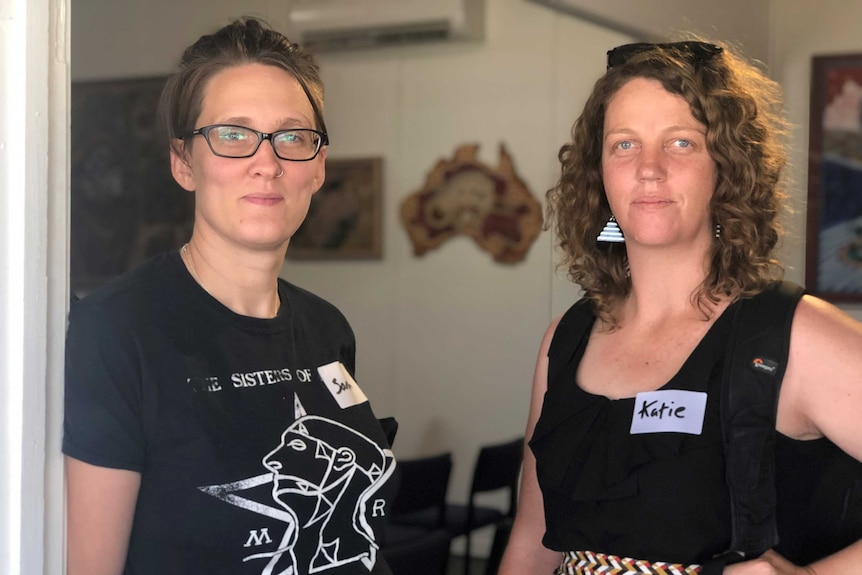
<point x="323" y="476"/>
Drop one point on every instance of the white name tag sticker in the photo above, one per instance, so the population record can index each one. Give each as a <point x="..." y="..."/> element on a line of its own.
<point x="341" y="385"/>
<point x="670" y="410"/>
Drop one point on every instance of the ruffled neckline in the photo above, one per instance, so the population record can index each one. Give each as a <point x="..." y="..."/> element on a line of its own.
<point x="580" y="444"/>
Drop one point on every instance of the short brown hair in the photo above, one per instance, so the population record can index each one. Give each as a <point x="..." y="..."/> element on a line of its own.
<point x="741" y="109"/>
<point x="244" y="41"/>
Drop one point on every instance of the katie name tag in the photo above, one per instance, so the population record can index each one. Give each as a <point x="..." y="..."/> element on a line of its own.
<point x="339" y="383"/>
<point x="670" y="410"/>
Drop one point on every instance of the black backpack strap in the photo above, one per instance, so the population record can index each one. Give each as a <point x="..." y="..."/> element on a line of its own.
<point x="753" y="370"/>
<point x="574" y="324"/>
<point x="390" y="428"/>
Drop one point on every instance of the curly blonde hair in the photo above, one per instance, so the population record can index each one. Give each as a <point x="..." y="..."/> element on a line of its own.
<point x="742" y="111"/>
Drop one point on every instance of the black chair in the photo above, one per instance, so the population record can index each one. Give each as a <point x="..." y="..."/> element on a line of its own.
<point x="422" y="486"/>
<point x="497" y="467"/>
<point x="427" y="554"/>
<point x="501" y="538"/>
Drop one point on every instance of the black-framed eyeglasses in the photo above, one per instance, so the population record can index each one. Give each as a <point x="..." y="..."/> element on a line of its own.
<point x="232" y="141"/>
<point x="695" y="52"/>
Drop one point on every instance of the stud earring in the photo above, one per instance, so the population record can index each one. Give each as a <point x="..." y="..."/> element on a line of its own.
<point x="718" y="230"/>
<point x="611" y="232"/>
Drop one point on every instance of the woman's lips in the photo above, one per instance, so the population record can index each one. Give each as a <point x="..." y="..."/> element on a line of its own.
<point x="263" y="199"/>
<point x="652" y="202"/>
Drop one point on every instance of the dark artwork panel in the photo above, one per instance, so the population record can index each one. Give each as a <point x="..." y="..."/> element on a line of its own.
<point x="125" y="205"/>
<point x="834" y="238"/>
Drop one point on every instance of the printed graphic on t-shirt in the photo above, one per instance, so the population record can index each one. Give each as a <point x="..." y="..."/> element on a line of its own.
<point x="324" y="477"/>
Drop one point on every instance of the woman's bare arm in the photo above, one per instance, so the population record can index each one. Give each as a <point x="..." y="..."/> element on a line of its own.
<point x="100" y="507"/>
<point x="821" y="393"/>
<point x="525" y="552"/>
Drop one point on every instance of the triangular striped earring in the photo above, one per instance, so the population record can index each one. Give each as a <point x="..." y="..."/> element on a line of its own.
<point x="611" y="232"/>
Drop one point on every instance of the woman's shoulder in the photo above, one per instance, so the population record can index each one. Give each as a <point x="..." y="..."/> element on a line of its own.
<point x="132" y="290"/>
<point x="571" y="325"/>
<point x="821" y="330"/>
<point x="822" y="387"/>
<point x="813" y="312"/>
<point x="131" y="282"/>
<point x="306" y="304"/>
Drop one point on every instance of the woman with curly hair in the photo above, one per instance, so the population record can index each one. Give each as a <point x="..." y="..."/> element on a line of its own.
<point x="666" y="213"/>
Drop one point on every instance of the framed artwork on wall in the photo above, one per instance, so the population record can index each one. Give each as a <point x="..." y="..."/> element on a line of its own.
<point x="833" y="267"/>
<point x="345" y="219"/>
<point x="125" y="205"/>
<point x="464" y="196"/>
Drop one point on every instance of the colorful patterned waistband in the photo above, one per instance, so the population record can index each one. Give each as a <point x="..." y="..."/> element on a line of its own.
<point x="589" y="563"/>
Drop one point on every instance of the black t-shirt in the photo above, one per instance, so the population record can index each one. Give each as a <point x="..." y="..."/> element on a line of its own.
<point x="258" y="452"/>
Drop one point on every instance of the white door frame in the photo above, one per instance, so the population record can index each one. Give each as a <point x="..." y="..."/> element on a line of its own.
<point x="34" y="272"/>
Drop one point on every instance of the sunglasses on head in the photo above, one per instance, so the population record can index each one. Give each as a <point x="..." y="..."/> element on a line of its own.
<point x="695" y="52"/>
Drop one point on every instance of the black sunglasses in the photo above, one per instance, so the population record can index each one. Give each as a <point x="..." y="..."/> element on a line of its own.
<point x="697" y="53"/>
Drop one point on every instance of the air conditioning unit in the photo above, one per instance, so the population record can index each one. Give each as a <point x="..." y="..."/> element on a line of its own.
<point x="348" y="24"/>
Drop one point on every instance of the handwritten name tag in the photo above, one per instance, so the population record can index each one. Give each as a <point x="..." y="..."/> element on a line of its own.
<point x="341" y="385"/>
<point x="670" y="410"/>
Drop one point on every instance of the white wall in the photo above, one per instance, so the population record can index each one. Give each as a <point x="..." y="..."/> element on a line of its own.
<point x="137" y="39"/>
<point x="658" y="19"/>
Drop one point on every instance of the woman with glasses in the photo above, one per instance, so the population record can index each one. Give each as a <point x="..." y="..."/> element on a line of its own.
<point x="667" y="215"/>
<point x="186" y="375"/>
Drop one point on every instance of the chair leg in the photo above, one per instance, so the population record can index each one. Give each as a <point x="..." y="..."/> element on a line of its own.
<point x="467" y="555"/>
<point x="498" y="547"/>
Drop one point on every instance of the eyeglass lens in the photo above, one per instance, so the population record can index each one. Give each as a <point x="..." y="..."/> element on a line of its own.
<point x="238" y="142"/>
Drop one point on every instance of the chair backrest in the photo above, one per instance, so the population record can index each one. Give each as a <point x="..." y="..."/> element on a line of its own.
<point x="497" y="467"/>
<point x="422" y="484"/>
<point x="427" y="554"/>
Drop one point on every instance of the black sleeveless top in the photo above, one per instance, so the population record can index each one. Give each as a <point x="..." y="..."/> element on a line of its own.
<point x="663" y="496"/>
<point x="655" y="496"/>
